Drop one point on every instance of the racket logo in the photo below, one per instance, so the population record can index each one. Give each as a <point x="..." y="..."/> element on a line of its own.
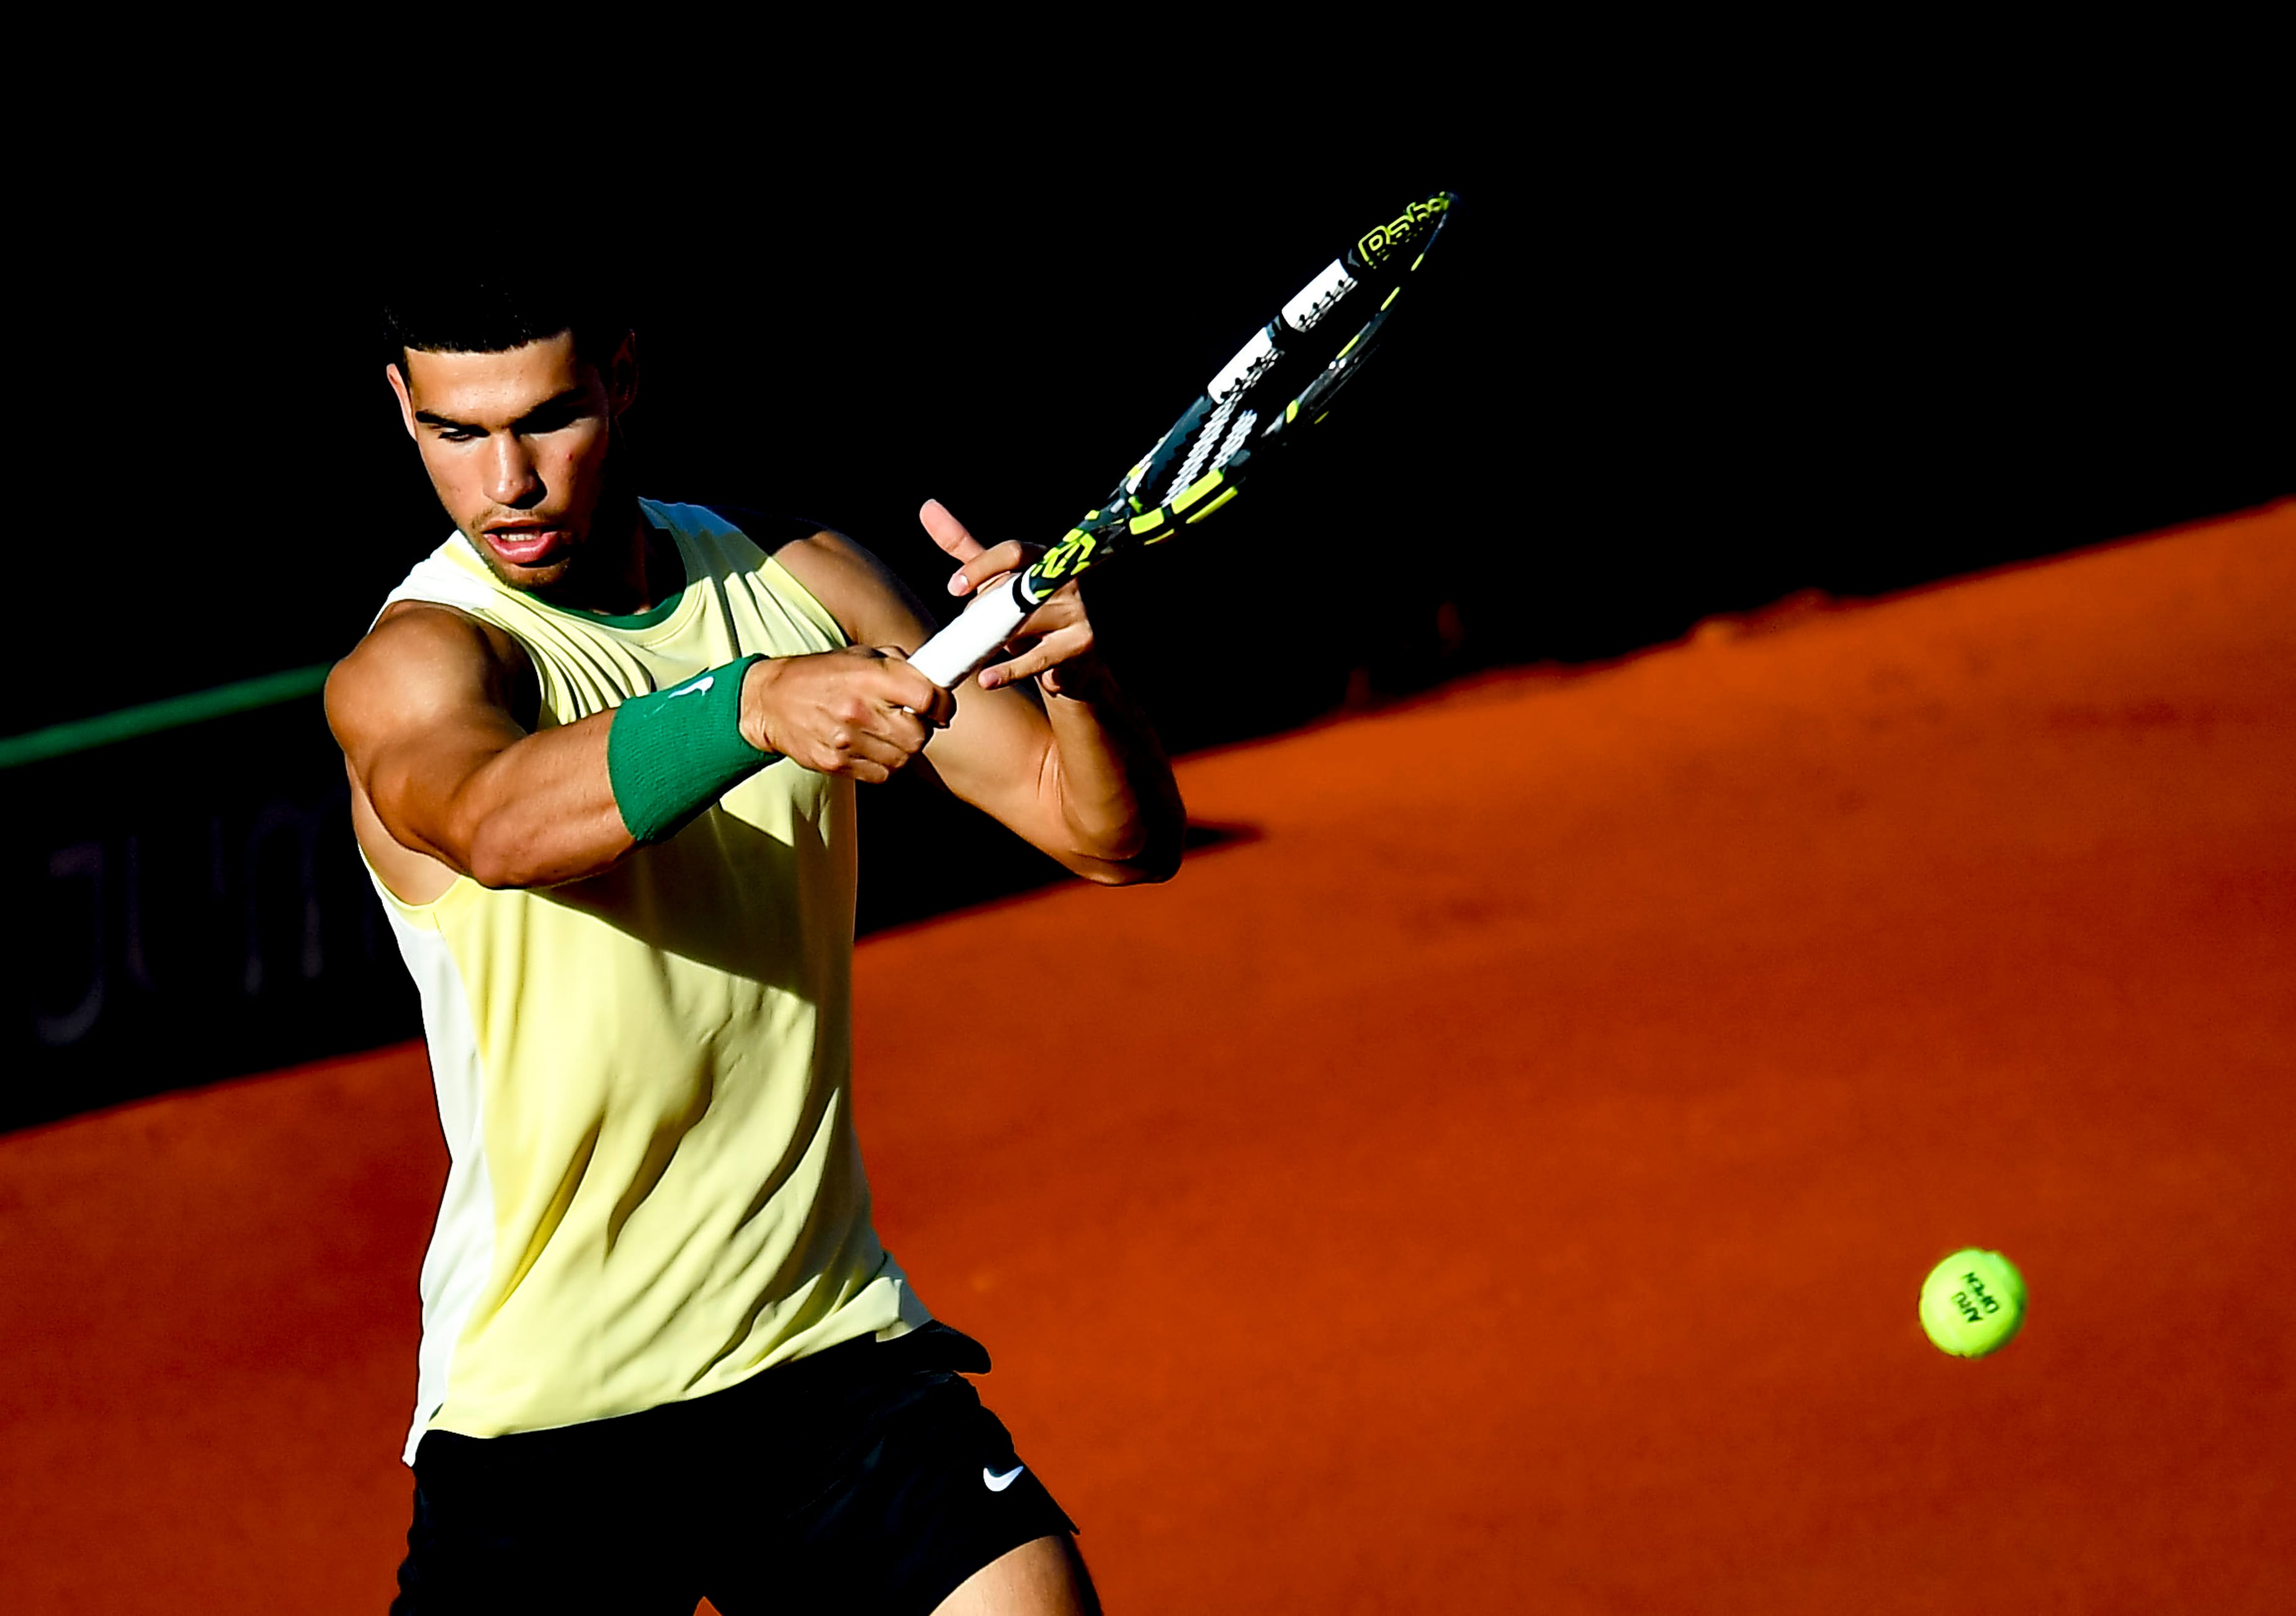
<point x="1399" y="231"/>
<point x="1072" y="554"/>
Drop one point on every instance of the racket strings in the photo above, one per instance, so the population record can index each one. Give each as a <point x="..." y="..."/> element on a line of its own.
<point x="1275" y="366"/>
<point x="1217" y="427"/>
<point x="1210" y="435"/>
<point x="1239" y="433"/>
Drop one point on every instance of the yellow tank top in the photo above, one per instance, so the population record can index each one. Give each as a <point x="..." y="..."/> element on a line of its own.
<point x="644" y="1077"/>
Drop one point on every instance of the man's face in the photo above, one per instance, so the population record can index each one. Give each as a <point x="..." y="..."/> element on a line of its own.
<point x="516" y="446"/>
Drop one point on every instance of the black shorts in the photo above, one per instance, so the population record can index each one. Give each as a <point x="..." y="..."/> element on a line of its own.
<point x="864" y="1478"/>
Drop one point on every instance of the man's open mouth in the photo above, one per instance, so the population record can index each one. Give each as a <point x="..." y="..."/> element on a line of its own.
<point x="525" y="546"/>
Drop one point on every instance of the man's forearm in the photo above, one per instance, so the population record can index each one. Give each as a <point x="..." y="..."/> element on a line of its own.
<point x="1113" y="786"/>
<point x="537" y="812"/>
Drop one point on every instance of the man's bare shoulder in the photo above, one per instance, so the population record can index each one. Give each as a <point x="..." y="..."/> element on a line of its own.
<point x="769" y="533"/>
<point x="419" y="661"/>
<point x="828" y="552"/>
<point x="869" y="602"/>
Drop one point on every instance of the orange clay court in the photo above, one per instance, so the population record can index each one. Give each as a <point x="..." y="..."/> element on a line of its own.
<point x="1501" y="1185"/>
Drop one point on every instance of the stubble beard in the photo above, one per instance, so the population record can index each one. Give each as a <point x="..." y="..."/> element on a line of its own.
<point x="614" y="500"/>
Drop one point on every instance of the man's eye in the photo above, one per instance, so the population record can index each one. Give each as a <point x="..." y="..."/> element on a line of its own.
<point x="454" y="434"/>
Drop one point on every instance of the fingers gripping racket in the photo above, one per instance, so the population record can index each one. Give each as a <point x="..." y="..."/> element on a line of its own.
<point x="1278" y="384"/>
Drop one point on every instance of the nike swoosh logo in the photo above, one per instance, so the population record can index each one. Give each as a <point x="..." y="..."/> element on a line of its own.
<point x="703" y="683"/>
<point x="995" y="1483"/>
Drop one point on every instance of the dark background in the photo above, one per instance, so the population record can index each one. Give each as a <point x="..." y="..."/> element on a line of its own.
<point x="1670" y="363"/>
<point x="1679" y="361"/>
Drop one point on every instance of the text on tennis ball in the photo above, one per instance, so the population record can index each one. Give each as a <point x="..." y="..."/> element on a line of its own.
<point x="1975" y="1308"/>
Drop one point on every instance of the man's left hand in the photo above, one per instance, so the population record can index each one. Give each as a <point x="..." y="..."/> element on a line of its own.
<point x="1054" y="645"/>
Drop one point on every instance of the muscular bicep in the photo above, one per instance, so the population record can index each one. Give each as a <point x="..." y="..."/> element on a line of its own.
<point x="869" y="601"/>
<point x="425" y="704"/>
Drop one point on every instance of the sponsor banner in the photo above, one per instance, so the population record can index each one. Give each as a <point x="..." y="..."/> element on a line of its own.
<point x="191" y="907"/>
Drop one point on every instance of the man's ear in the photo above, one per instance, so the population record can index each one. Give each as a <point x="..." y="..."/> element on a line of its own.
<point x="622" y="373"/>
<point x="406" y="400"/>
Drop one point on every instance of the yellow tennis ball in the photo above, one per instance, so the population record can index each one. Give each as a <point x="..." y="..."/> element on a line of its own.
<point x="1972" y="1303"/>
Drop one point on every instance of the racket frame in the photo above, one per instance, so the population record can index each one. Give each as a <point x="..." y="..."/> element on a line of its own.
<point x="1122" y="522"/>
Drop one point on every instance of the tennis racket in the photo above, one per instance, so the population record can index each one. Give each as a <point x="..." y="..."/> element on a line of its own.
<point x="1278" y="384"/>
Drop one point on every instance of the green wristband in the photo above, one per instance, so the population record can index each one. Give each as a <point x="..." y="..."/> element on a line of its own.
<point x="671" y="753"/>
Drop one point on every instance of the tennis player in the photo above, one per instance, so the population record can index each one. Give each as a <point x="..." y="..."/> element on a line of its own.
<point x="602" y="753"/>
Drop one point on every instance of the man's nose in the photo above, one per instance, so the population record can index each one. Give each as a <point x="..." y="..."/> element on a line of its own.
<point x="512" y="478"/>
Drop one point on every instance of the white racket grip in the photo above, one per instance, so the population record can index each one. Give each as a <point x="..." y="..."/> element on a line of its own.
<point x="958" y="652"/>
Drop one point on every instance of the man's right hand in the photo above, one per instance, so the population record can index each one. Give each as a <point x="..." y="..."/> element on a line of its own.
<point x="861" y="712"/>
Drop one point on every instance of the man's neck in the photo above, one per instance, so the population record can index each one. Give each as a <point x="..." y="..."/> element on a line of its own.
<point x="633" y="571"/>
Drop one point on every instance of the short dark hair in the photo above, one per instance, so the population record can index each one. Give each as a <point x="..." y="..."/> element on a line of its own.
<point x="495" y="313"/>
